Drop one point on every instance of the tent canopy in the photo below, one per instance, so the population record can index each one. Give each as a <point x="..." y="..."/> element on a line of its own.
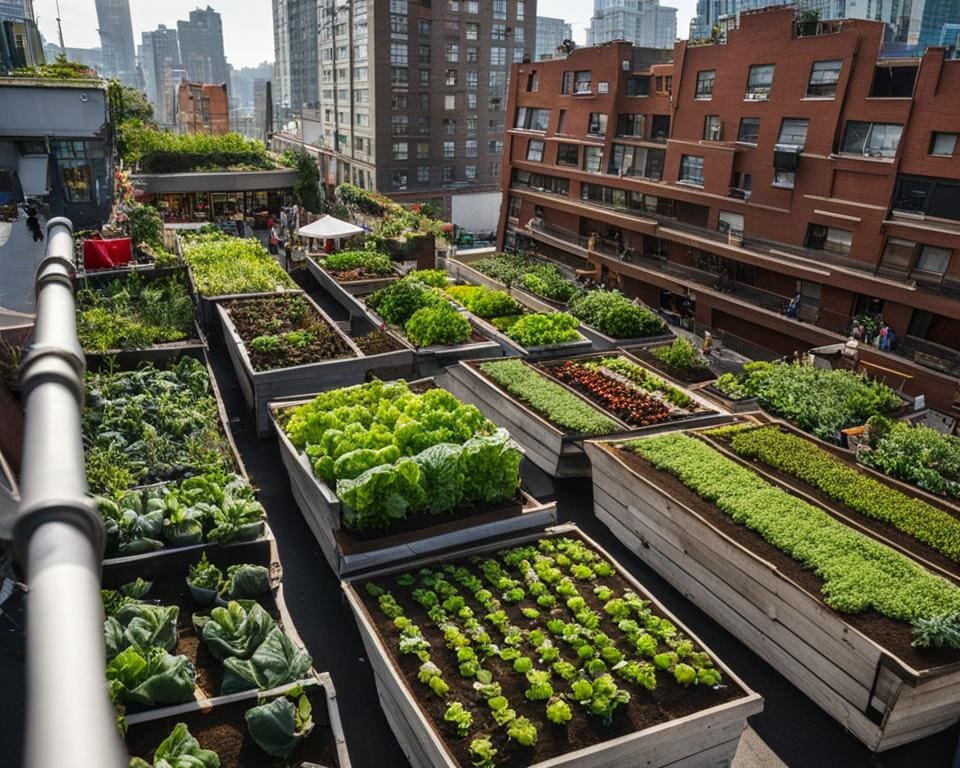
<point x="329" y="228"/>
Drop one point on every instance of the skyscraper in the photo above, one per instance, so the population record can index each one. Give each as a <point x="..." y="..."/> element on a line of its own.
<point x="645" y="23"/>
<point x="413" y="95"/>
<point x="201" y="47"/>
<point x="550" y="33"/>
<point x="295" y="46"/>
<point x="161" y="58"/>
<point x="116" y="40"/>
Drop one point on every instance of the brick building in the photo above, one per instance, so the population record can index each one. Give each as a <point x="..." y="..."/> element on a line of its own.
<point x="787" y="162"/>
<point x="202" y="108"/>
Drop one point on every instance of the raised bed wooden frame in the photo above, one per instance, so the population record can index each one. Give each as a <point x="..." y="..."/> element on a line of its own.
<point x="879" y="698"/>
<point x="558" y="453"/>
<point x="321" y="509"/>
<point x="706" y="738"/>
<point x="260" y="387"/>
<point x="346" y="293"/>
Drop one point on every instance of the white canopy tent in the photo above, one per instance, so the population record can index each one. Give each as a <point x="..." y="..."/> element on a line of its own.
<point x="329" y="228"/>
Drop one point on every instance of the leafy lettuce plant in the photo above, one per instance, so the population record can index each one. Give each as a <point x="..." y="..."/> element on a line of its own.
<point x="150" y="677"/>
<point x="179" y="750"/>
<point x="440" y="324"/>
<point x="141" y="626"/>
<point x="234" y="631"/>
<point x="245" y="581"/>
<point x="540" y="329"/>
<point x="279" y="726"/>
<point x="275" y="662"/>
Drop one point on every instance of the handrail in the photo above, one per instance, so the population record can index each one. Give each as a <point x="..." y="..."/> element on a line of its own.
<point x="59" y="539"/>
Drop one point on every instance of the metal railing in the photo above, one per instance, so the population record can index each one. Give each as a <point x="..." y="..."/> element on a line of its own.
<point x="58" y="538"/>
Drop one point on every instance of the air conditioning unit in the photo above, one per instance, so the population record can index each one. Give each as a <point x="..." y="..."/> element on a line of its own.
<point x="739" y="194"/>
<point x="786" y="157"/>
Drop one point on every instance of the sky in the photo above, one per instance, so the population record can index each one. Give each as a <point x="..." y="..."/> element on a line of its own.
<point x="248" y="24"/>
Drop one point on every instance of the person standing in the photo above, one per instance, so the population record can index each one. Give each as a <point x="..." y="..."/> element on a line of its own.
<point x="274" y="242"/>
<point x="33" y="224"/>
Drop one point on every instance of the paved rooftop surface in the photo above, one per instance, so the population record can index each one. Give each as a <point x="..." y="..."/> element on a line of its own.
<point x="19" y="258"/>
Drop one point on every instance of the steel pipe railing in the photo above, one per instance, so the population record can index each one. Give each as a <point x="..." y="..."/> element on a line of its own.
<point x="58" y="538"/>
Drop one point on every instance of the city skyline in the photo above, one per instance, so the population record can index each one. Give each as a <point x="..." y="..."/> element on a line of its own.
<point x="244" y="22"/>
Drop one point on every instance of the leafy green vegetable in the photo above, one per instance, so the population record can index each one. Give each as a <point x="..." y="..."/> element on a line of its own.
<point x="397" y="302"/>
<point x="548" y="398"/>
<point x="916" y="454"/>
<point x="482" y="301"/>
<point x="483" y="752"/>
<point x="279" y="726"/>
<point x="541" y="329"/>
<point x="558" y="712"/>
<point x="204" y="575"/>
<point x="370" y="261"/>
<point x="223" y="265"/>
<point x="440" y="324"/>
<point x="180" y="750"/>
<point x="460" y="717"/>
<point x="235" y="631"/>
<point x="681" y="354"/>
<point x="859" y="574"/>
<point x="642" y="379"/>
<point x="613" y="314"/>
<point x="245" y="581"/>
<point x="150" y="677"/>
<point x="275" y="662"/>
<point x="141" y="626"/>
<point x="522" y="731"/>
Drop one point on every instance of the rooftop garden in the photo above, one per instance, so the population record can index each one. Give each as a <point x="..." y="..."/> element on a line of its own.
<point x="151" y="150"/>
<point x="395" y="221"/>
<point x="915" y="454"/>
<point x="58" y="69"/>
<point x="222" y="265"/>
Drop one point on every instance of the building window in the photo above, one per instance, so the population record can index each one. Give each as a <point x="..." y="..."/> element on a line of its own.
<point x="521" y="10"/>
<point x="77" y="180"/>
<point x="449" y="101"/>
<point x="450" y="77"/>
<point x="399" y="179"/>
<point x="398" y="6"/>
<point x="760" y="81"/>
<point x="872" y="139"/>
<point x="398" y="125"/>
<point x="473" y="30"/>
<point x="469" y="172"/>
<point x="473" y="55"/>
<point x="398" y="54"/>
<point x="398" y="75"/>
<point x="691" y="169"/>
<point x="597" y="124"/>
<point x="513" y="207"/>
<point x="494" y="169"/>
<point x="424" y="56"/>
<point x="823" y="79"/>
<point x="749" y="131"/>
<point x="630" y="125"/>
<point x="659" y="128"/>
<point x="711" y="128"/>
<point x="943" y="143"/>
<point x="424" y="78"/>
<point x="730" y="222"/>
<point x="473" y="79"/>
<point x="449" y="148"/>
<point x="423" y="27"/>
<point x="449" y="125"/>
<point x="593" y="159"/>
<point x="498" y="33"/>
<point x="893" y="82"/>
<point x="398" y="25"/>
<point x="400" y="150"/>
<point x="500" y="9"/>
<point x="472" y="6"/>
<point x="423" y="174"/>
<point x="533" y="82"/>
<point x="785" y="179"/>
<point x="933" y="260"/>
<point x="638" y="85"/>
<point x="568" y="154"/>
<point x="705" y="83"/>
<point x="566" y="84"/>
<point x="423" y="150"/>
<point x="932" y="197"/>
<point x="498" y="56"/>
<point x="495" y="146"/>
<point x="424" y="98"/>
<point x="535" y="150"/>
<point x="470" y="148"/>
<point x="581" y="81"/>
<point x="742" y="182"/>
<point x="897" y="255"/>
<point x="533" y="119"/>
<point x="398" y="101"/>
<point x="793" y="131"/>
<point x="823" y="238"/>
<point x="452" y="52"/>
<point x="471" y="101"/>
<point x="449" y="174"/>
<point x="561" y="121"/>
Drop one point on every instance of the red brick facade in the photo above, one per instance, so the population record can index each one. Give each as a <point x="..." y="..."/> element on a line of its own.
<point x="832" y="112"/>
<point x="202" y="108"/>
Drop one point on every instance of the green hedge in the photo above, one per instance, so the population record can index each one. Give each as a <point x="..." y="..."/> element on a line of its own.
<point x="160" y="152"/>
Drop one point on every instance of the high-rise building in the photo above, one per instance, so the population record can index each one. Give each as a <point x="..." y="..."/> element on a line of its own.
<point x="295" y="63"/>
<point x="20" y="43"/>
<point x="412" y="95"/>
<point x="89" y="57"/>
<point x="202" y="108"/>
<point x="161" y="55"/>
<point x="201" y="47"/>
<point x="789" y="163"/>
<point x="928" y="19"/>
<point x="550" y="34"/>
<point x="644" y="23"/>
<point x="116" y="40"/>
<point x="262" y="108"/>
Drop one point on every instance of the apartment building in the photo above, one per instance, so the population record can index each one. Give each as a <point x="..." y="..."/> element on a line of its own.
<point x="202" y="108"/>
<point x="413" y="95"/>
<point x="790" y="161"/>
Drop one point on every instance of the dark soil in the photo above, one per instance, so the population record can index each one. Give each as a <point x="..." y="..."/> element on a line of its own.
<point x="377" y="343"/>
<point x="886" y="530"/>
<point x="353" y="275"/>
<point x="279" y="315"/>
<point x="224" y="730"/>
<point x="645" y="709"/>
<point x="686" y="375"/>
<point x="421" y="525"/>
<point x="895" y="636"/>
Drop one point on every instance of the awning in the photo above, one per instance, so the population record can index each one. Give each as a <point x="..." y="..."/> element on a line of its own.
<point x="32" y="172"/>
<point x="329" y="228"/>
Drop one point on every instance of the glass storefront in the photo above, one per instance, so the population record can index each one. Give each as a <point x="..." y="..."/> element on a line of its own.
<point x="257" y="206"/>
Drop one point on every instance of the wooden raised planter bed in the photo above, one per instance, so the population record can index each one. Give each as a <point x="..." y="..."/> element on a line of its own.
<point x="557" y="452"/>
<point x="220" y="721"/>
<point x="708" y="737"/>
<point x="462" y="270"/>
<point x="321" y="508"/>
<point x="345" y="293"/>
<point x="260" y="387"/>
<point x="511" y="347"/>
<point x="642" y="351"/>
<point x="881" y="699"/>
<point x="158" y="354"/>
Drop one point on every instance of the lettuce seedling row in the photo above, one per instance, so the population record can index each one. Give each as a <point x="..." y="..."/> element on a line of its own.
<point x="259" y="387"/>
<point x="541" y="650"/>
<point x="352" y="551"/>
<point x="555" y="448"/>
<point x="858" y="666"/>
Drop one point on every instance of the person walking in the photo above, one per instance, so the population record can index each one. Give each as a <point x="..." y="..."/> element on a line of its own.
<point x="274" y="242"/>
<point x="33" y="224"/>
